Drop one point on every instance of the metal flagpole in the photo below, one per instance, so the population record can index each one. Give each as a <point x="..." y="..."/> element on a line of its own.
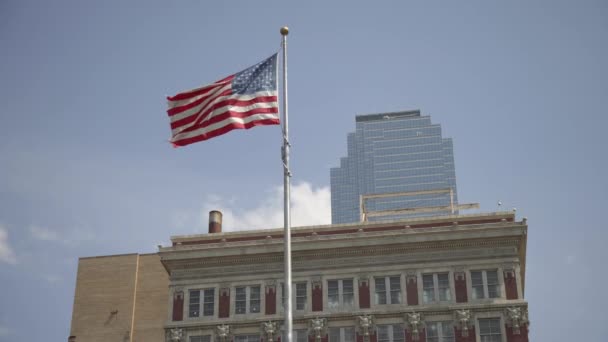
<point x="286" y="205"/>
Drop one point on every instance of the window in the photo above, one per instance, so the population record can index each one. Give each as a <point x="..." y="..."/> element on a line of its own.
<point x="436" y="287"/>
<point x="390" y="284"/>
<point x="346" y="334"/>
<point x="489" y="330"/>
<point x="390" y="333"/>
<point x="299" y="335"/>
<point x="299" y="292"/>
<point x="485" y="284"/>
<point x="247" y="299"/>
<point x="205" y="338"/>
<point x="194" y="304"/>
<point x="340" y="293"/>
<point x="439" y="331"/>
<point x="247" y="338"/>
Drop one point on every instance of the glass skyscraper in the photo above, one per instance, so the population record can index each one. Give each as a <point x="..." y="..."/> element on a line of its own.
<point x="391" y="153"/>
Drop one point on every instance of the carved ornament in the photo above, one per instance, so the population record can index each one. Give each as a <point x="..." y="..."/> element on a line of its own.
<point x="463" y="321"/>
<point x="414" y="321"/>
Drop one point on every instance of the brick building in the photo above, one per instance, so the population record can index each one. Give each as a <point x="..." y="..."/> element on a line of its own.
<point x="449" y="278"/>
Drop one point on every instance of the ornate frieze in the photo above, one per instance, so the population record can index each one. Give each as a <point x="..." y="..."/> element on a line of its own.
<point x="269" y="330"/>
<point x="176" y="335"/>
<point x="463" y="321"/>
<point x="363" y="279"/>
<point x="317" y="328"/>
<point x="223" y="333"/>
<point x="414" y="322"/>
<point x="516" y="318"/>
<point x="365" y="326"/>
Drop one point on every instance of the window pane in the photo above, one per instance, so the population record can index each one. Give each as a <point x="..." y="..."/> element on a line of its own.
<point x="427" y="281"/>
<point x="489" y="330"/>
<point x="300" y="335"/>
<point x="348" y="297"/>
<point x="432" y="330"/>
<point x="478" y="292"/>
<point x="398" y="333"/>
<point x="208" y="301"/>
<point x="476" y="278"/>
<point x="194" y="304"/>
<point x="447" y="331"/>
<point x="477" y="285"/>
<point x="334" y="334"/>
<point x="380" y="290"/>
<point x="240" y="300"/>
<point x="383" y="333"/>
<point x="333" y="299"/>
<point x="349" y="334"/>
<point x="444" y="287"/>
<point x="493" y="286"/>
<point x="205" y="338"/>
<point x="254" y="301"/>
<point x="300" y="296"/>
<point x="395" y="283"/>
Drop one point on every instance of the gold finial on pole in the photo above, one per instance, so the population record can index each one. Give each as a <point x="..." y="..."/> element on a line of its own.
<point x="284" y="30"/>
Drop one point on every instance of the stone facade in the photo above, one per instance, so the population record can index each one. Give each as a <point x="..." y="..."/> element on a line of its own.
<point x="397" y="281"/>
<point x="350" y="271"/>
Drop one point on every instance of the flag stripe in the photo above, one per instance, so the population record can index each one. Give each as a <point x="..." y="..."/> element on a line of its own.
<point x="218" y="107"/>
<point x="201" y="101"/>
<point x="213" y="122"/>
<point x="198" y="91"/>
<point x="234" y="123"/>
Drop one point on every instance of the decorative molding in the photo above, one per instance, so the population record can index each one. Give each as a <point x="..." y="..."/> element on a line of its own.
<point x="411" y="276"/>
<point x="317" y="328"/>
<point x="316" y="281"/>
<point x="463" y="321"/>
<point x="175" y="335"/>
<point x="414" y="321"/>
<point x="224" y="290"/>
<point x="178" y="292"/>
<point x="508" y="270"/>
<point x="363" y="280"/>
<point x="516" y="318"/>
<point x="223" y="333"/>
<point x="365" y="326"/>
<point x="325" y="254"/>
<point x="270" y="284"/>
<point x="269" y="330"/>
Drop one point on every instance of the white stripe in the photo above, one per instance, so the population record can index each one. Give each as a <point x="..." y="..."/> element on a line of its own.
<point x="223" y="123"/>
<point x="221" y="110"/>
<point x="213" y="98"/>
<point x="178" y="103"/>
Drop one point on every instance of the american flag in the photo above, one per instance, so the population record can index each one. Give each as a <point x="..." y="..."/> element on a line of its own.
<point x="240" y="101"/>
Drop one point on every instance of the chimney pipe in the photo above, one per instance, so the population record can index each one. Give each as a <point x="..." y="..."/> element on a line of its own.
<point x="215" y="221"/>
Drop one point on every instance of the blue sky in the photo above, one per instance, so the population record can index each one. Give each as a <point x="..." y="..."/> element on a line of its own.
<point x="85" y="167"/>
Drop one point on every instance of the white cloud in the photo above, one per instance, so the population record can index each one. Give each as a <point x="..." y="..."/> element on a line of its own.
<point x="43" y="234"/>
<point x="6" y="252"/>
<point x="72" y="237"/>
<point x="309" y="206"/>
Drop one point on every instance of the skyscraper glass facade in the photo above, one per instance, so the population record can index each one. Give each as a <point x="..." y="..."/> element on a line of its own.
<point x="391" y="153"/>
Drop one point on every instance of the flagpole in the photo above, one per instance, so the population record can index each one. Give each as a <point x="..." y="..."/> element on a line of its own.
<point x="286" y="204"/>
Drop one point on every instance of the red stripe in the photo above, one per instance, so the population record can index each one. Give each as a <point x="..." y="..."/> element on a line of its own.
<point x="229" y="102"/>
<point x="228" y="114"/>
<point x="225" y="129"/>
<point x="212" y="96"/>
<point x="199" y="91"/>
